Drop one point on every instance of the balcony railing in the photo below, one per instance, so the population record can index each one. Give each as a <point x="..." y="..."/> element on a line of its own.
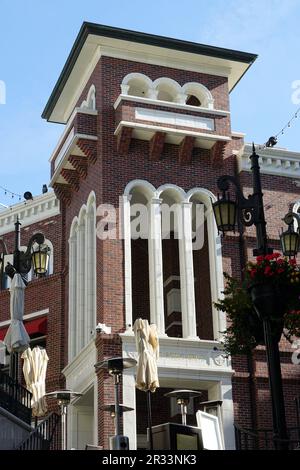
<point x="15" y="398"/>
<point x="262" y="439"/>
<point x="46" y="436"/>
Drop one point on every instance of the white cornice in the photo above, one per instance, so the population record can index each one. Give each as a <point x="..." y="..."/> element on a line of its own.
<point x="170" y="130"/>
<point x="78" y="82"/>
<point x="29" y="212"/>
<point x="169" y="104"/>
<point x="62" y="156"/>
<point x="97" y="46"/>
<point x="273" y="161"/>
<point x="92" y="112"/>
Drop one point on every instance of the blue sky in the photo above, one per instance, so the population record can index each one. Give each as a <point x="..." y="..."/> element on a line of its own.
<point x="36" y="37"/>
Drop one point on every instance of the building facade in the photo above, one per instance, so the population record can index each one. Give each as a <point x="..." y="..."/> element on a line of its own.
<point x="147" y="130"/>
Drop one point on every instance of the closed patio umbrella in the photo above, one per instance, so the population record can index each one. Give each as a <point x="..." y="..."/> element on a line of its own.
<point x="147" y="346"/>
<point x="34" y="369"/>
<point x="16" y="338"/>
<point x="148" y="350"/>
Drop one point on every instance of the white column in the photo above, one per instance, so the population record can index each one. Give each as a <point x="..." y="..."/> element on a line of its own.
<point x="80" y="300"/>
<point x="129" y="418"/>
<point x="90" y="310"/>
<point x="126" y="234"/>
<point x="216" y="274"/>
<point x="157" y="314"/>
<point x="72" y="298"/>
<point x="187" y="288"/>
<point x="223" y="391"/>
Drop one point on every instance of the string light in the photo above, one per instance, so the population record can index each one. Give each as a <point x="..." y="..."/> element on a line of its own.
<point x="11" y="193"/>
<point x="274" y="138"/>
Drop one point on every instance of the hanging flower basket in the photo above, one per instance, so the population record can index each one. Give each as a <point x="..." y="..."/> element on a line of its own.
<point x="269" y="300"/>
<point x="270" y="289"/>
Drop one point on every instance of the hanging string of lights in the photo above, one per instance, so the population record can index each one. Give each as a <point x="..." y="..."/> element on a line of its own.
<point x="274" y="138"/>
<point x="11" y="194"/>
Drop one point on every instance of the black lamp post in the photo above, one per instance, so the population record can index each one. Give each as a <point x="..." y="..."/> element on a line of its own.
<point x="22" y="263"/>
<point x="250" y="211"/>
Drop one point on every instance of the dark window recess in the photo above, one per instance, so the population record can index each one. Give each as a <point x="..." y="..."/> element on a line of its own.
<point x="193" y="101"/>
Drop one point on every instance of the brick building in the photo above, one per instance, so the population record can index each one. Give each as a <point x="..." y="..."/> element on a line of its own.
<point x="147" y="121"/>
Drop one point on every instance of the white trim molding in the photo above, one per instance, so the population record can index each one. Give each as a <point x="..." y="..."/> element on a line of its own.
<point x="30" y="212"/>
<point x="28" y="316"/>
<point x="273" y="161"/>
<point x="170" y="104"/>
<point x="175" y="119"/>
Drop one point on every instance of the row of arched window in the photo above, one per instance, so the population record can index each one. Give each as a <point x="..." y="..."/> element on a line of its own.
<point x="167" y="89"/>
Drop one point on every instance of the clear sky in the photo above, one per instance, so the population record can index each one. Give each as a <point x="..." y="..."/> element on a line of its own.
<point x="36" y="37"/>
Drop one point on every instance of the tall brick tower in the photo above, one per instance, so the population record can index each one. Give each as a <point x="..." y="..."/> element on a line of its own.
<point x="147" y="121"/>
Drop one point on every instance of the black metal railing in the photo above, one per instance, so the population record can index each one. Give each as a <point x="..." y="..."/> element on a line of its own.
<point x="262" y="439"/>
<point x="46" y="436"/>
<point x="15" y="398"/>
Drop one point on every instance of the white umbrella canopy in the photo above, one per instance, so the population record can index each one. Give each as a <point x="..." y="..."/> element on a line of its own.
<point x="16" y="338"/>
<point x="34" y="370"/>
<point x="148" y="353"/>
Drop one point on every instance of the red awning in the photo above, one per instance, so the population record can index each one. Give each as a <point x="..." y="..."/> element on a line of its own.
<point x="37" y="325"/>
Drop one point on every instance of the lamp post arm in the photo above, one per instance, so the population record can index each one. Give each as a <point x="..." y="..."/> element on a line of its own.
<point x="290" y="216"/>
<point x="247" y="208"/>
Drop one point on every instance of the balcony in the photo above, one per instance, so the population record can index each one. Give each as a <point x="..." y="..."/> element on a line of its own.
<point x="74" y="153"/>
<point x="161" y="122"/>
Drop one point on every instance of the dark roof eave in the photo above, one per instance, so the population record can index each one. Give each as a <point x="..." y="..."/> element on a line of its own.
<point x="135" y="36"/>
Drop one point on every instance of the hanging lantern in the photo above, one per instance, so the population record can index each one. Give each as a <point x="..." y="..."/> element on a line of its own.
<point x="290" y="238"/>
<point x="225" y="214"/>
<point x="40" y="259"/>
<point x="289" y="242"/>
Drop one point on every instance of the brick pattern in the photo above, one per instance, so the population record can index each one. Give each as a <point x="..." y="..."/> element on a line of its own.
<point x="46" y="293"/>
<point x="123" y="140"/>
<point x="186" y="150"/>
<point x="156" y="146"/>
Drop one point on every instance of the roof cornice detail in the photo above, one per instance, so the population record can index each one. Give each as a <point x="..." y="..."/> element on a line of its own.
<point x="273" y="161"/>
<point x="29" y="212"/>
<point x="153" y="42"/>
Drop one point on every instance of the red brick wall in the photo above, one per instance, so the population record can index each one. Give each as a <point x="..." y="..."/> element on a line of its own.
<point x="45" y="293"/>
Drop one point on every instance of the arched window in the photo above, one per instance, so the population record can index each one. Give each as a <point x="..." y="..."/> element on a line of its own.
<point x="167" y="89"/>
<point x="137" y="84"/>
<point x="82" y="277"/>
<point x="198" y="95"/>
<point x="161" y="268"/>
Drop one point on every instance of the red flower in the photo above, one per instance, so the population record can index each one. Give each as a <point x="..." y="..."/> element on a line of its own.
<point x="276" y="255"/>
<point x="280" y="270"/>
<point x="268" y="271"/>
<point x="292" y="262"/>
<point x="253" y="273"/>
<point x="269" y="257"/>
<point x="259" y="259"/>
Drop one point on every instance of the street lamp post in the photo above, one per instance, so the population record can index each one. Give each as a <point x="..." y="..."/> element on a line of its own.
<point x="22" y="263"/>
<point x="250" y="211"/>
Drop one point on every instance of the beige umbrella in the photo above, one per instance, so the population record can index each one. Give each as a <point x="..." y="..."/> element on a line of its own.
<point x="16" y="338"/>
<point x="148" y="350"/>
<point x="147" y="346"/>
<point x="34" y="369"/>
